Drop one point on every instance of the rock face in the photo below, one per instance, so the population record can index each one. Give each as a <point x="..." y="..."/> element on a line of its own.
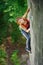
<point x="36" y="26"/>
<point x="24" y="60"/>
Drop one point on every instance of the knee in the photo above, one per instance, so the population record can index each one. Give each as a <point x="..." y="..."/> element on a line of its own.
<point x="28" y="37"/>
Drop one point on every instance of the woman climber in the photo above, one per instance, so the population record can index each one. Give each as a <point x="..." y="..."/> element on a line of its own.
<point x="24" y="25"/>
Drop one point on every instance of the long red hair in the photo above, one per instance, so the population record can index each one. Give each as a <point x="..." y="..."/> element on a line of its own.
<point x="26" y="20"/>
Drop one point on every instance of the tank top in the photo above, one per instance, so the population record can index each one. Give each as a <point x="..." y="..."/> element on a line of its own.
<point x="27" y="25"/>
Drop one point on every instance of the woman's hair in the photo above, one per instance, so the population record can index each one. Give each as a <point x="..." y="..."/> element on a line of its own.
<point x="18" y="19"/>
<point x="25" y="23"/>
<point x="25" y="19"/>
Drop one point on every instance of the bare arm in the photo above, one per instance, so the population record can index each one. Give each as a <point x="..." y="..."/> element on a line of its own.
<point x="24" y="16"/>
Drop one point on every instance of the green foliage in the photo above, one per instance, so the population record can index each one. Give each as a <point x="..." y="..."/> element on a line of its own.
<point x="15" y="58"/>
<point x="15" y="32"/>
<point x="9" y="11"/>
<point x="3" y="55"/>
<point x="23" y="3"/>
<point x="3" y="61"/>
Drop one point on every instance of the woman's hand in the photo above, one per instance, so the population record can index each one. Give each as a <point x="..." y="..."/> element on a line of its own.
<point x="28" y="30"/>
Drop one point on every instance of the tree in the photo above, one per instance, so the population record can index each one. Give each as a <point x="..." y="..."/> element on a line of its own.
<point x="9" y="11"/>
<point x="36" y="26"/>
<point x="9" y="31"/>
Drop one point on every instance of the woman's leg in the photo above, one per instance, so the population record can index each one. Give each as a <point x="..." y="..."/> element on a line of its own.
<point x="28" y="44"/>
<point x="28" y="47"/>
<point x="27" y="36"/>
